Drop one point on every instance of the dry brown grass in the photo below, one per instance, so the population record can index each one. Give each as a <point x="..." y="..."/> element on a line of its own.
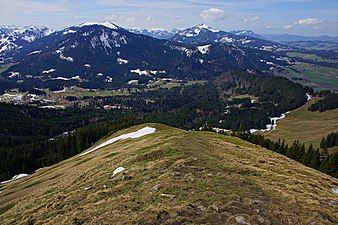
<point x="215" y="180"/>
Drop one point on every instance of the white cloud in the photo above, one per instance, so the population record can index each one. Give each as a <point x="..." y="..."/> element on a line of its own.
<point x="308" y="21"/>
<point x="214" y="14"/>
<point x="118" y="19"/>
<point x="288" y="27"/>
<point x="251" y="19"/>
<point x="149" y="19"/>
<point x="172" y="17"/>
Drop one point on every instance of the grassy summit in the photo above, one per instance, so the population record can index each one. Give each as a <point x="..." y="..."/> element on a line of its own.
<point x="173" y="177"/>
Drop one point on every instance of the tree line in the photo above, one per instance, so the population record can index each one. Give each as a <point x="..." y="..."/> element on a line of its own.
<point x="330" y="141"/>
<point x="329" y="102"/>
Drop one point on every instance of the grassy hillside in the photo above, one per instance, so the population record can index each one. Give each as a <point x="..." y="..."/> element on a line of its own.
<point x="173" y="177"/>
<point x="305" y="126"/>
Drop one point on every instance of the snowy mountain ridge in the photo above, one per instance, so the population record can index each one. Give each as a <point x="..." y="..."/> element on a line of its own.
<point x="13" y="38"/>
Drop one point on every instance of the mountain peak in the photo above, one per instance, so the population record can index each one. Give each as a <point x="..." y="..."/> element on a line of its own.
<point x="195" y="31"/>
<point x="107" y="24"/>
<point x="206" y="27"/>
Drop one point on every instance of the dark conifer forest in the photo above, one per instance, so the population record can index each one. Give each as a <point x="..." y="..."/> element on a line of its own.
<point x="329" y="102"/>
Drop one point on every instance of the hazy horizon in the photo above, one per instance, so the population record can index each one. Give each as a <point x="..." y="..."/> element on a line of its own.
<point x="298" y="17"/>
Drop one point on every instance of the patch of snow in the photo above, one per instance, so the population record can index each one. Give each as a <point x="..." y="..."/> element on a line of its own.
<point x="122" y="61"/>
<point x="69" y="32"/>
<point x="99" y="74"/>
<point x="14" y="74"/>
<point x="189" y="52"/>
<point x="142" y="132"/>
<point x="245" y="41"/>
<point x="48" y="107"/>
<point x="109" y="79"/>
<point x="105" y="40"/>
<point x="272" y="125"/>
<point x="61" y="91"/>
<point x="140" y="72"/>
<point x="18" y="97"/>
<point x="35" y="52"/>
<point x="15" y="178"/>
<point x="309" y="97"/>
<point x="60" y="78"/>
<point x="227" y="40"/>
<point x="77" y="77"/>
<point x="118" y="170"/>
<point x="253" y="131"/>
<point x="218" y="130"/>
<point x="133" y="82"/>
<point x="65" y="78"/>
<point x="70" y="59"/>
<point x="87" y="65"/>
<point x="48" y="71"/>
<point x="60" y="52"/>
<point x="204" y="49"/>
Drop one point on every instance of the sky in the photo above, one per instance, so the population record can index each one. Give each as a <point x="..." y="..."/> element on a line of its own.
<point x="302" y="17"/>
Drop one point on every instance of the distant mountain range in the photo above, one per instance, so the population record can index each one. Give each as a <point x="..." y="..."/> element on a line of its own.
<point x="13" y="38"/>
<point x="159" y="33"/>
<point x="104" y="55"/>
<point x="203" y="34"/>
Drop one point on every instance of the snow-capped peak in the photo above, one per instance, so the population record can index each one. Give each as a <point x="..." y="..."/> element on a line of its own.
<point x="203" y="26"/>
<point x="105" y="24"/>
<point x="195" y="31"/>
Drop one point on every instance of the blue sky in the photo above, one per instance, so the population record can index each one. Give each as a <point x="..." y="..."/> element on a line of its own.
<point x="306" y="17"/>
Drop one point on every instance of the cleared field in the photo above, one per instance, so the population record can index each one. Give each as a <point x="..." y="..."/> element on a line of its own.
<point x="305" y="126"/>
<point x="318" y="77"/>
<point x="81" y="92"/>
<point x="170" y="85"/>
<point x="313" y="57"/>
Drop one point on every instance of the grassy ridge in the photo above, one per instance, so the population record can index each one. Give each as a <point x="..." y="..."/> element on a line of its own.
<point x="173" y="177"/>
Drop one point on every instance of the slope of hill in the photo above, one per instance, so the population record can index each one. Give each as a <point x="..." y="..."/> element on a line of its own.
<point x="306" y="126"/>
<point x="172" y="177"/>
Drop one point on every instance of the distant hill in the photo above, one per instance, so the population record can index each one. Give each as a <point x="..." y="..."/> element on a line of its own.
<point x="172" y="177"/>
<point x="285" y="38"/>
<point x="306" y="126"/>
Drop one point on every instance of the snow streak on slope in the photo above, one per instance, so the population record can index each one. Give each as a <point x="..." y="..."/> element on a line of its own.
<point x="136" y="134"/>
